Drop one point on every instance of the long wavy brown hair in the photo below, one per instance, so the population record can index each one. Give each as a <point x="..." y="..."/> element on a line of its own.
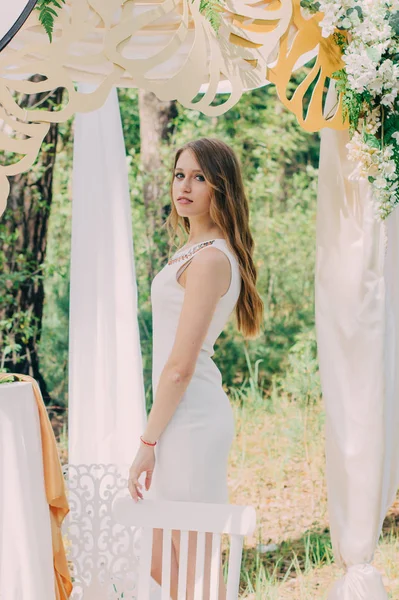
<point x="229" y="211"/>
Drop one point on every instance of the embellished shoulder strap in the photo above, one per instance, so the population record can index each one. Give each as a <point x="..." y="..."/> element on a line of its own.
<point x="190" y="252"/>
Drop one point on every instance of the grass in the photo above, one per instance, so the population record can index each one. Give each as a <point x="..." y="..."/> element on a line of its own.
<point x="277" y="465"/>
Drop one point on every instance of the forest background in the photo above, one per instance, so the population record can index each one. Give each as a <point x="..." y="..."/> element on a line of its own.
<point x="277" y="462"/>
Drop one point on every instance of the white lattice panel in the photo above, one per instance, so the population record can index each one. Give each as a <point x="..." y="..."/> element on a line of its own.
<point x="103" y="554"/>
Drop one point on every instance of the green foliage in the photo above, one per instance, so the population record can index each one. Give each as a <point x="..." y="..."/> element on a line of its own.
<point x="310" y="5"/>
<point x="352" y="102"/>
<point x="266" y="572"/>
<point x="301" y="379"/>
<point x="53" y="349"/>
<point x="394" y="22"/>
<point x="211" y="9"/>
<point x="10" y="379"/>
<point x="341" y="40"/>
<point x="47" y="14"/>
<point x="279" y="162"/>
<point x="391" y="126"/>
<point x="371" y="140"/>
<point x="16" y="326"/>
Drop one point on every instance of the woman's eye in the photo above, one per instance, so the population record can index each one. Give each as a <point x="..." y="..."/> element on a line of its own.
<point x="181" y="176"/>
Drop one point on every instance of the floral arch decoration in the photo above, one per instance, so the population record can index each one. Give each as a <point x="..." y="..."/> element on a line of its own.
<point x="168" y="47"/>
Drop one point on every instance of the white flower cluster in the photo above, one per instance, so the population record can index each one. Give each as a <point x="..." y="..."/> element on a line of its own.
<point x="371" y="66"/>
<point x="364" y="18"/>
<point x="378" y="164"/>
<point x="334" y="14"/>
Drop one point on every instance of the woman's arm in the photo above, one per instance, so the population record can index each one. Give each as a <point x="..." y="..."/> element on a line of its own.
<point x="207" y="278"/>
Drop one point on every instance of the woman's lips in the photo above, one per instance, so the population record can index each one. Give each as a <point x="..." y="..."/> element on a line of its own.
<point x="184" y="201"/>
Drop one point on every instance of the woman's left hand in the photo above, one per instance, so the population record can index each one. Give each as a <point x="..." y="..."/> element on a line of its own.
<point x="144" y="461"/>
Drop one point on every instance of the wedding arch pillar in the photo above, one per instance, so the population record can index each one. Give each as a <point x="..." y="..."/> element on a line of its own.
<point x="357" y="324"/>
<point x="106" y="392"/>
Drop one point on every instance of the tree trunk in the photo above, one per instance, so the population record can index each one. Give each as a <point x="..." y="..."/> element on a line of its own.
<point x="156" y="121"/>
<point x="24" y="232"/>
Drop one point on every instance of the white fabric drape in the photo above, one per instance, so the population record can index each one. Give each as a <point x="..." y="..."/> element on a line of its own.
<point x="26" y="552"/>
<point x="357" y="323"/>
<point x="106" y="393"/>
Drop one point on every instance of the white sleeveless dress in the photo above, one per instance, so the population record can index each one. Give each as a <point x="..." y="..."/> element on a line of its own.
<point x="192" y="452"/>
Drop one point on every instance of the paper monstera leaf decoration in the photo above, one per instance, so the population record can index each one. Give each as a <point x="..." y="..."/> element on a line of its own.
<point x="308" y="100"/>
<point x="164" y="46"/>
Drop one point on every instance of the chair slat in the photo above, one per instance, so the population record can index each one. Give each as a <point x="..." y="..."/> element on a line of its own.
<point x="145" y="564"/>
<point x="166" y="563"/>
<point x="193" y="516"/>
<point x="215" y="566"/>
<point x="183" y="555"/>
<point x="235" y="557"/>
<point x="199" y="566"/>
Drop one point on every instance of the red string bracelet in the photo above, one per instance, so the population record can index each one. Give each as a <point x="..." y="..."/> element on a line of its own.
<point x="148" y="443"/>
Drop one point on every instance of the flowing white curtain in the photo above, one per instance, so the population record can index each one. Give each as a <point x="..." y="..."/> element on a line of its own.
<point x="106" y="393"/>
<point x="357" y="323"/>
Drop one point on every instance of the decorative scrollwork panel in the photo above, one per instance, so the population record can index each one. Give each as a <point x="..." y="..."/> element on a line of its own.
<point x="104" y="554"/>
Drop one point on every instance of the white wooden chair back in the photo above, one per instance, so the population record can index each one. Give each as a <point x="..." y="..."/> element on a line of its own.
<point x="218" y="519"/>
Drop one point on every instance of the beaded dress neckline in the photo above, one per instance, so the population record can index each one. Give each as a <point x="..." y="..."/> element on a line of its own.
<point x="192" y="250"/>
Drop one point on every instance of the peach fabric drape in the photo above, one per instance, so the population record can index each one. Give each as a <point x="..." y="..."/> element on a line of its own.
<point x="55" y="490"/>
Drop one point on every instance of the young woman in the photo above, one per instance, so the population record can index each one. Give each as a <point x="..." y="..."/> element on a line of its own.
<point x="213" y="274"/>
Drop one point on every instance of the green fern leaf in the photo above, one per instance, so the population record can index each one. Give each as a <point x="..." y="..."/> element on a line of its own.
<point x="211" y="10"/>
<point x="47" y="14"/>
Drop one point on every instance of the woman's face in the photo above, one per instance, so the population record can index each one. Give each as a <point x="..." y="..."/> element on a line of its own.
<point x="190" y="192"/>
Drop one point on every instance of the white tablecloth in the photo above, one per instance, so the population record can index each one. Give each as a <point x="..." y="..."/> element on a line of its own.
<point x="26" y="557"/>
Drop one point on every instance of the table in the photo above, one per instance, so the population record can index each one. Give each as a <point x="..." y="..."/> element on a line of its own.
<point x="26" y="557"/>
